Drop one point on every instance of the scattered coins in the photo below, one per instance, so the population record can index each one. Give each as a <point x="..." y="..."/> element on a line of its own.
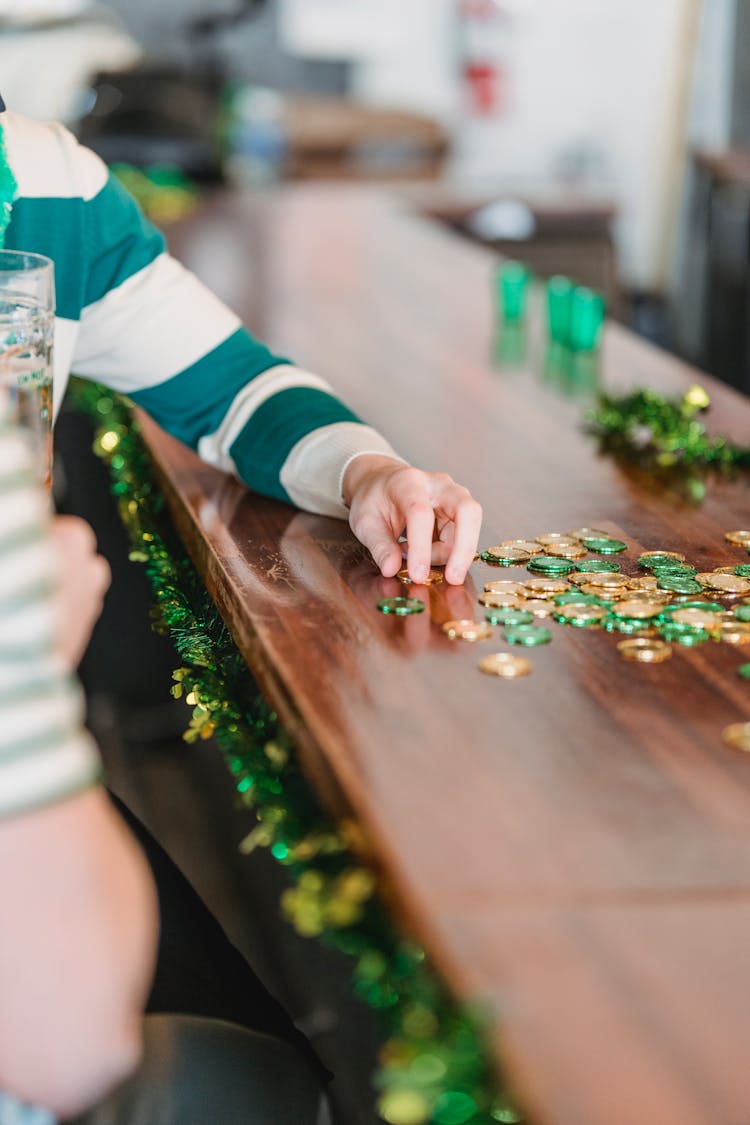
<point x="588" y="533"/>
<point x="401" y="607"/>
<point x="545" y="587"/>
<point x="698" y="618"/>
<point x="508" y="556"/>
<point x="549" y="565"/>
<point x="605" y="546"/>
<point x="566" y="551"/>
<point x="581" y="615"/>
<point x="538" y="607"/>
<point x="638" y="609"/>
<point x="432" y="579"/>
<point x="737" y="736"/>
<point x="530" y="546"/>
<point x="550" y="538"/>
<point x="600" y="566"/>
<point x="650" y="559"/>
<point x="728" y="583"/>
<point x="509" y="617"/>
<point x="529" y="635"/>
<point x="644" y="650"/>
<point x="608" y="581"/>
<point x="734" y="632"/>
<point x="468" y="630"/>
<point x="500" y="600"/>
<point x="502" y="586"/>
<point x="738" y="538"/>
<point x="506" y="666"/>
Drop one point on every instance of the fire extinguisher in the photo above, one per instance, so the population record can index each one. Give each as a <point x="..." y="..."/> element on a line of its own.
<point x="485" y="35"/>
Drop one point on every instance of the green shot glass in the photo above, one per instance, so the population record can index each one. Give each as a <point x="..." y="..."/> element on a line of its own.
<point x="513" y="285"/>
<point x="586" y="319"/>
<point x="559" y="303"/>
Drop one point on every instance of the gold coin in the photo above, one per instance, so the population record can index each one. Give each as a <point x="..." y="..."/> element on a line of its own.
<point x="734" y="632"/>
<point x="648" y="582"/>
<point x="665" y="554"/>
<point x="432" y="579"/>
<point x="538" y="607"/>
<point x="506" y="666"/>
<point x="613" y="595"/>
<point x="579" y="577"/>
<point x="513" y="553"/>
<point x="468" y="630"/>
<point x="575" y="612"/>
<point x="724" y="570"/>
<point x="556" y="538"/>
<point x="545" y="587"/>
<point x="566" y="551"/>
<point x="738" y="538"/>
<point x="644" y="650"/>
<point x="706" y="579"/>
<point x="529" y="545"/>
<point x="588" y="533"/>
<point x="737" y="736"/>
<point x="639" y="609"/>
<point x="500" y="601"/>
<point x="698" y="618"/>
<point x="608" y="580"/>
<point x="502" y="586"/>
<point x="660" y="597"/>
<point x="730" y="584"/>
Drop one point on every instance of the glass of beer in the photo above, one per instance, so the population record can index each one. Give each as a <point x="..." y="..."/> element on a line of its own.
<point x="27" y="323"/>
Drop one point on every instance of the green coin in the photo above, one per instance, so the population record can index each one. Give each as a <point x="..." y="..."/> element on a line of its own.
<point x="679" y="585"/>
<point x="626" y="625"/>
<point x="679" y="571"/>
<point x="648" y="562"/>
<point x="687" y="635"/>
<point x="578" y="599"/>
<point x="580" y="622"/>
<point x="598" y="566"/>
<point x="744" y="671"/>
<point x="545" y="564"/>
<point x="401" y="607"/>
<point x="742" y="612"/>
<point x="529" y="635"/>
<point x="493" y="560"/>
<point x="605" y="546"/>
<point x="509" y="617"/>
<point x="743" y="570"/>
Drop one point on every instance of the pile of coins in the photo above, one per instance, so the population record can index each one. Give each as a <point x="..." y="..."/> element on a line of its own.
<point x="667" y="602"/>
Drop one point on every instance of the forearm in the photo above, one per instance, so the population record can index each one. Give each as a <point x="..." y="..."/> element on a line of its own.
<point x="78" y="919"/>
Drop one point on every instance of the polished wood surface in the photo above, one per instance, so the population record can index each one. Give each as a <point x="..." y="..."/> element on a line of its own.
<point x="575" y="847"/>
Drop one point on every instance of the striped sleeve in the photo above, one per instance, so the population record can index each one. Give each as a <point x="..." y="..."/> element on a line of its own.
<point x="150" y="329"/>
<point x="45" y="754"/>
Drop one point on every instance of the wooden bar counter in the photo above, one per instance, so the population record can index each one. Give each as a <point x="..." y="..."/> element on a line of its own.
<point x="574" y="847"/>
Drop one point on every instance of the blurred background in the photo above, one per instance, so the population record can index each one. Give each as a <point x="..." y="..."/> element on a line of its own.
<point x="605" y="141"/>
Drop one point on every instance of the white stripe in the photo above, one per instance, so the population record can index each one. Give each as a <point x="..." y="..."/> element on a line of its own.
<point x="27" y="626"/>
<point x="214" y="448"/>
<point x="66" y="335"/>
<point x="314" y="470"/>
<point x="20" y="509"/>
<point x="31" y="781"/>
<point x="48" y="161"/>
<point x="152" y="326"/>
<point x="15" y="451"/>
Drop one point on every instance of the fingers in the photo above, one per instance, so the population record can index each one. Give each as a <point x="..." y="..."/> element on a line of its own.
<point x="378" y="538"/>
<point x="420" y="526"/>
<point x="466" y="514"/>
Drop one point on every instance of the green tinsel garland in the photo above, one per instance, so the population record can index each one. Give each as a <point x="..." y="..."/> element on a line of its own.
<point x="664" y="433"/>
<point x="434" y="1064"/>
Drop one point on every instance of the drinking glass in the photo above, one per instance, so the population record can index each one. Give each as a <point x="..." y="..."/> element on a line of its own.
<point x="27" y="322"/>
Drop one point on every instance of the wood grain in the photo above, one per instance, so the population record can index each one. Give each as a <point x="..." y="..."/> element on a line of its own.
<point x="574" y="847"/>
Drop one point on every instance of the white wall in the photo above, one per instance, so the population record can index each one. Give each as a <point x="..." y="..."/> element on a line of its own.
<point x="597" y="81"/>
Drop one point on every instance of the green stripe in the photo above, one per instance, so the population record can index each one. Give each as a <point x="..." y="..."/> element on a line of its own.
<point x="95" y="244"/>
<point x="195" y="402"/>
<point x="87" y="780"/>
<point x="37" y="744"/>
<point x="120" y="240"/>
<point x="54" y="227"/>
<point x="260" y="451"/>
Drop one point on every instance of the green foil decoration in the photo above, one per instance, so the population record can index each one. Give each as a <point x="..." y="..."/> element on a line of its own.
<point x="435" y="1065"/>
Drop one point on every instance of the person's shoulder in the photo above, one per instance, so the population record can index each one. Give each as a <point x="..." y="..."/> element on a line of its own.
<point x="48" y="162"/>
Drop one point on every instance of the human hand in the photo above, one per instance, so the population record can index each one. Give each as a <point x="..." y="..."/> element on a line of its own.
<point x="440" y="518"/>
<point x="83" y="578"/>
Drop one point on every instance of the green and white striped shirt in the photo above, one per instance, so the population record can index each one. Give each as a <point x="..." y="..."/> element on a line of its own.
<point x="45" y="754"/>
<point x="131" y="317"/>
